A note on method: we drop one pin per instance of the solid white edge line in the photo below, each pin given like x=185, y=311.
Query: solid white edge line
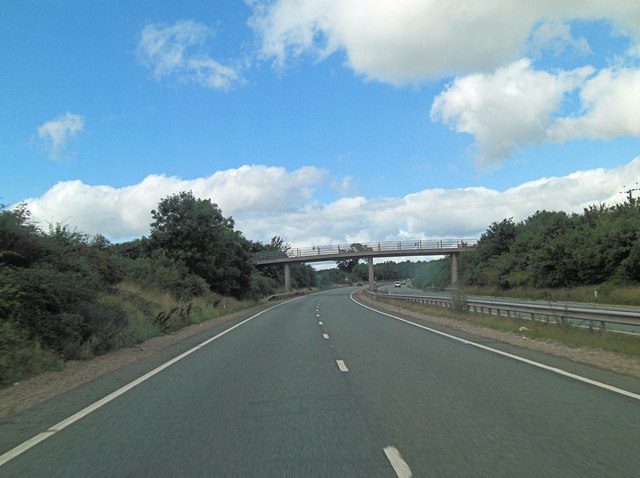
x=9, y=455
x=24, y=447
x=559, y=371
x=399, y=465
x=342, y=366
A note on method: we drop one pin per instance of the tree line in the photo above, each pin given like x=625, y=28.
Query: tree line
x=194, y=233
x=65, y=295
x=556, y=249
x=547, y=250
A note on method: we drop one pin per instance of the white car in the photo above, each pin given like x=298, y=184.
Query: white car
x=397, y=284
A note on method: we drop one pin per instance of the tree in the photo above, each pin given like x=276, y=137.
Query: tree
x=194, y=232
x=433, y=273
x=135, y=249
x=347, y=265
x=388, y=270
x=277, y=245
x=497, y=239
x=20, y=241
x=302, y=275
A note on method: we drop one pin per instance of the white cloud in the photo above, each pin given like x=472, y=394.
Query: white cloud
x=518, y=106
x=633, y=51
x=439, y=213
x=556, y=36
x=510, y=108
x=178, y=51
x=611, y=108
x=497, y=96
x=409, y=41
x=268, y=201
x=343, y=187
x=125, y=212
x=55, y=134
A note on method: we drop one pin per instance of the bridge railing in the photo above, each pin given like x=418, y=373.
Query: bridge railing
x=366, y=247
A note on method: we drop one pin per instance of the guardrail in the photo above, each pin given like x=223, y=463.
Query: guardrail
x=563, y=313
x=366, y=248
x=284, y=295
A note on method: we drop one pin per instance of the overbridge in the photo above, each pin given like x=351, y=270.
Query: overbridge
x=369, y=251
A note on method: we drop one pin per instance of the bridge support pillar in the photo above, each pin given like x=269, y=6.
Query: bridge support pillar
x=287, y=277
x=454, y=269
x=371, y=276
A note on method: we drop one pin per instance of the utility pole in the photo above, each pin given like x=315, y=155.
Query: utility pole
x=630, y=198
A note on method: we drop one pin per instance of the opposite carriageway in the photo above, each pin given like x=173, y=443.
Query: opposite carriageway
x=369, y=251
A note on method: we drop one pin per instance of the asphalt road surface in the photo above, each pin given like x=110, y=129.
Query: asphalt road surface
x=321, y=386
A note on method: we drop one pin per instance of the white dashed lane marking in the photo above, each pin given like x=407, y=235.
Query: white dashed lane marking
x=342, y=366
x=399, y=465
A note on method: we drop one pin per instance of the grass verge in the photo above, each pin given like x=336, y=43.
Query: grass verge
x=606, y=294
x=144, y=313
x=571, y=335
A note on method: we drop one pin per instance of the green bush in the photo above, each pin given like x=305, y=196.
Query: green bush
x=20, y=358
x=27, y=360
x=103, y=326
x=262, y=286
x=165, y=275
x=42, y=303
x=435, y=273
x=557, y=250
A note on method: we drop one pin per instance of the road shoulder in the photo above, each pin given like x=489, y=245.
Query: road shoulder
x=602, y=359
x=40, y=388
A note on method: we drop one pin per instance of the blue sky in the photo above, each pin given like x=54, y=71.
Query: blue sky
x=321, y=121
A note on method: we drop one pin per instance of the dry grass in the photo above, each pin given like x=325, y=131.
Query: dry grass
x=143, y=305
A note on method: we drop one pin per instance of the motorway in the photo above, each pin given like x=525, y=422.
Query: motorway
x=322, y=386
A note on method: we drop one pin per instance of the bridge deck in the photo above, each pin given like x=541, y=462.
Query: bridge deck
x=363, y=250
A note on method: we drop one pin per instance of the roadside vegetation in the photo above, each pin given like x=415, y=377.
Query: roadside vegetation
x=67, y=296
x=593, y=257
x=352, y=272
x=588, y=257
x=435, y=275
x=539, y=329
x=599, y=248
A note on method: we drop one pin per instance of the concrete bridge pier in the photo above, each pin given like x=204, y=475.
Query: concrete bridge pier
x=454, y=269
x=371, y=276
x=287, y=277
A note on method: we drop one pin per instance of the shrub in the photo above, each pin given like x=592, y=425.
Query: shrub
x=102, y=326
x=18, y=363
x=165, y=275
x=262, y=286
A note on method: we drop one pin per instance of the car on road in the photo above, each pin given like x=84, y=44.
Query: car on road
x=398, y=284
